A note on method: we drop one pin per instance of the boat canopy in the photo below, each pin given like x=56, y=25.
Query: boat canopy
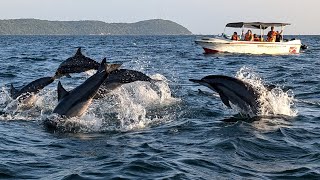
x=255, y=25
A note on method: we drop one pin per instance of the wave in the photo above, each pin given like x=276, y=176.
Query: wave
x=315, y=103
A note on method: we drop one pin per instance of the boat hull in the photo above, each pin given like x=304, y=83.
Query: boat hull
x=215, y=45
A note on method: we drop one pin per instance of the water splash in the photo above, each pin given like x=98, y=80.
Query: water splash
x=12, y=109
x=273, y=101
x=4, y=96
x=87, y=123
x=129, y=107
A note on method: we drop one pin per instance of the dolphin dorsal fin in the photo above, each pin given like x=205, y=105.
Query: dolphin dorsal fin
x=102, y=65
x=78, y=53
x=61, y=91
x=13, y=91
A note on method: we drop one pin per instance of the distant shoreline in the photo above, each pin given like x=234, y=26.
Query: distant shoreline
x=45, y=27
x=200, y=35
x=102, y=35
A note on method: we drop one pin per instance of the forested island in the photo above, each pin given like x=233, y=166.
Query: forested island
x=88, y=27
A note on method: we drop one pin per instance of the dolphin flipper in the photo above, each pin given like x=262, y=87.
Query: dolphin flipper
x=224, y=99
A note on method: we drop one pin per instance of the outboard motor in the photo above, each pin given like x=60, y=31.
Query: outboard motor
x=304, y=47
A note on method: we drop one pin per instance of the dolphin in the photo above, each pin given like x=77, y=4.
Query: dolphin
x=119, y=77
x=233, y=90
x=26, y=95
x=77, y=101
x=76, y=64
x=79, y=63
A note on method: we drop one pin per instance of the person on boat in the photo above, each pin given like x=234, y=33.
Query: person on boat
x=279, y=36
x=256, y=38
x=235, y=37
x=271, y=36
x=248, y=36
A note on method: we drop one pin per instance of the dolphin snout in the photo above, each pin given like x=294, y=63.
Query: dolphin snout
x=195, y=80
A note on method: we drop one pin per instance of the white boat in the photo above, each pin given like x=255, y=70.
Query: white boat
x=224, y=44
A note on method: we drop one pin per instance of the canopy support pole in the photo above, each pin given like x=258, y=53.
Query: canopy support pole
x=242, y=34
x=261, y=33
x=282, y=28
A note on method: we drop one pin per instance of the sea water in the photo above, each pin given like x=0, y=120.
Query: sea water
x=165, y=129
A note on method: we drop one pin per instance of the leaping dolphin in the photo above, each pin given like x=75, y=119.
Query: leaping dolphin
x=26, y=95
x=76, y=102
x=233, y=90
x=79, y=63
x=76, y=64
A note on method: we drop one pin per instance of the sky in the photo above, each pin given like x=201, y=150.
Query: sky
x=199, y=16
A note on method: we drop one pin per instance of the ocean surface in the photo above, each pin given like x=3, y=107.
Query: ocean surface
x=165, y=130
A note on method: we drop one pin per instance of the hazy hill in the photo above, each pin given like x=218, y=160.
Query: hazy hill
x=44, y=27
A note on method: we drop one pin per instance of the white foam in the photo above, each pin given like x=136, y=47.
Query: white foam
x=272, y=102
x=127, y=108
x=131, y=103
